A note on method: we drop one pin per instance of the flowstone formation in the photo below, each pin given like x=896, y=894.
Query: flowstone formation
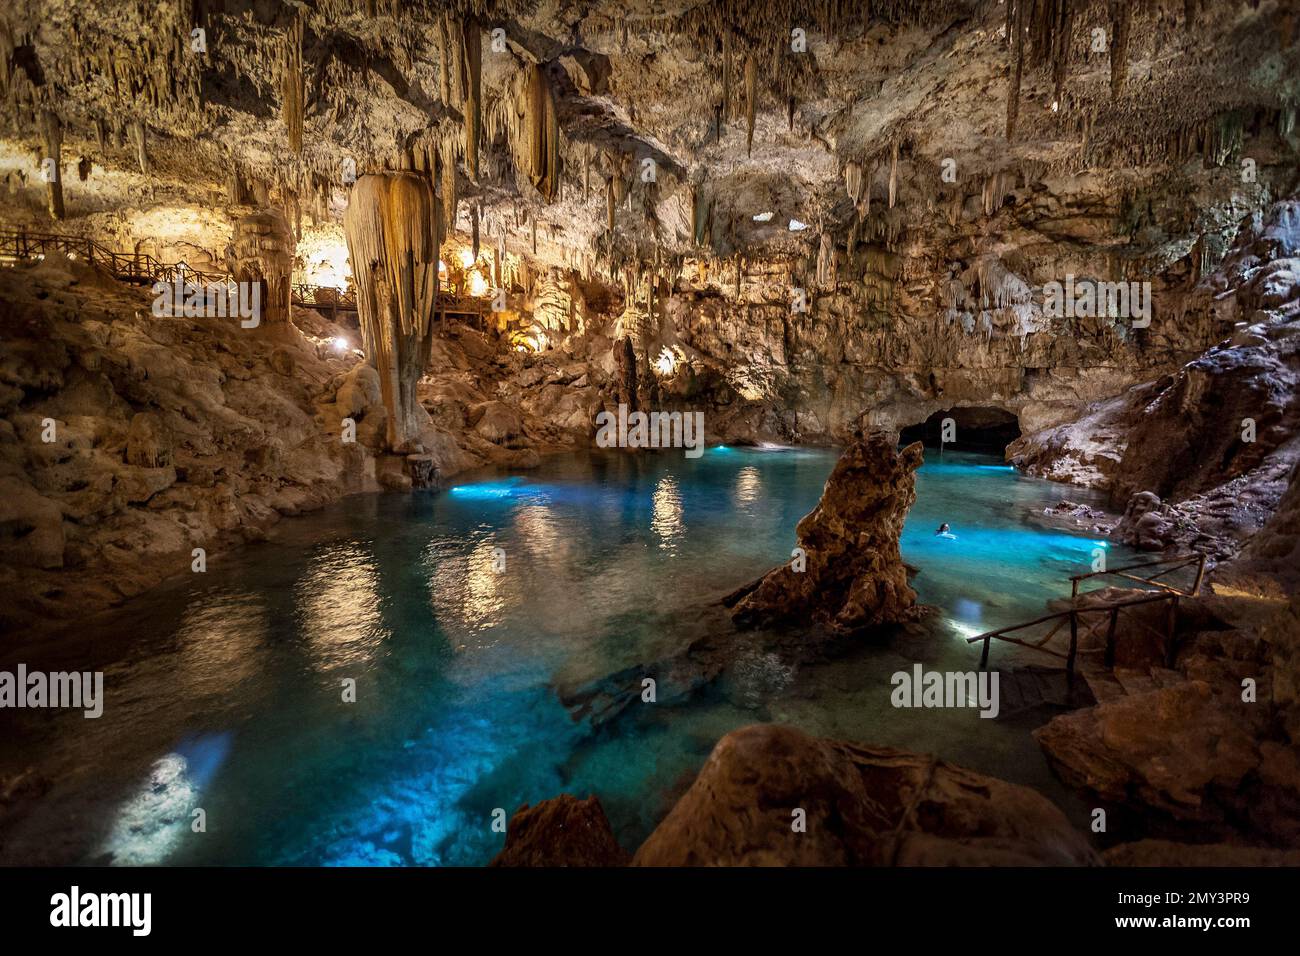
x=847, y=572
x=262, y=252
x=392, y=230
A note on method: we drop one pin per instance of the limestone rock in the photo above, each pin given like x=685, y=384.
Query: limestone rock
x=864, y=806
x=562, y=831
x=855, y=575
x=148, y=443
x=31, y=526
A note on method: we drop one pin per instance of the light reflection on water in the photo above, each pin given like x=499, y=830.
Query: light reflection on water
x=610, y=560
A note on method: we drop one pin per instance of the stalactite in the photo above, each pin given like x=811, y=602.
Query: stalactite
x=1121, y=16
x=1018, y=44
x=394, y=256
x=472, y=60
x=541, y=133
x=893, y=174
x=52, y=142
x=138, y=140
x=292, y=84
x=853, y=181
x=447, y=170
x=610, y=204
x=474, y=210
x=444, y=62
x=826, y=261
x=751, y=101
x=726, y=80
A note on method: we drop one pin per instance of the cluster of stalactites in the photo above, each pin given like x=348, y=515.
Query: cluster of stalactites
x=460, y=79
x=292, y=83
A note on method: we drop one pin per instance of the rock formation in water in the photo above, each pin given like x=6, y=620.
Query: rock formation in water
x=774, y=796
x=562, y=831
x=850, y=574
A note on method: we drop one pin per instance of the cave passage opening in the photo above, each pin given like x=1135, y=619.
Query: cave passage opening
x=967, y=428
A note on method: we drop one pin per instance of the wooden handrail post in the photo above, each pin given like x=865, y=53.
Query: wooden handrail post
x=984, y=655
x=1110, y=639
x=1074, y=588
x=1200, y=574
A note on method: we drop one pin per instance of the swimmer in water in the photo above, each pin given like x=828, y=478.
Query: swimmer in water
x=943, y=532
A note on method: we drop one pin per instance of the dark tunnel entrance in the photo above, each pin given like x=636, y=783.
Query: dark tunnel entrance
x=974, y=428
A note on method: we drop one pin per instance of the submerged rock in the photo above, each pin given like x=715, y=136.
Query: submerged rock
x=861, y=806
x=855, y=577
x=562, y=831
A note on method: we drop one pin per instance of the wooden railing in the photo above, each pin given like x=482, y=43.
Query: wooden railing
x=1074, y=617
x=1175, y=564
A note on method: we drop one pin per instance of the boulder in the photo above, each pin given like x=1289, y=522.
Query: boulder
x=855, y=576
x=861, y=806
x=562, y=831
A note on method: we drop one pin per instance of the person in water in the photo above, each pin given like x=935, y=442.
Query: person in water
x=943, y=532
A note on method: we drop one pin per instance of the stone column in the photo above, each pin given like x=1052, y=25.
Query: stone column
x=392, y=228
x=263, y=251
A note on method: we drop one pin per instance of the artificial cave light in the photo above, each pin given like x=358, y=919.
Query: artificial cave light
x=466, y=258
x=763, y=217
x=666, y=364
x=478, y=286
x=797, y=226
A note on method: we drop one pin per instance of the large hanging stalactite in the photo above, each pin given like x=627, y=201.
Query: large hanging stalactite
x=1121, y=20
x=541, y=133
x=52, y=141
x=472, y=81
x=751, y=101
x=292, y=84
x=1018, y=45
x=392, y=235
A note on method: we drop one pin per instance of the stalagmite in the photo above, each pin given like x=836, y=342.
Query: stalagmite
x=751, y=101
x=292, y=89
x=394, y=254
x=52, y=142
x=262, y=251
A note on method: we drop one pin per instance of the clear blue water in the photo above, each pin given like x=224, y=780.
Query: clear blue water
x=225, y=690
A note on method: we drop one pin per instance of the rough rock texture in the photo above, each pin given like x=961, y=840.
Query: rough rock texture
x=1168, y=853
x=864, y=806
x=855, y=576
x=1191, y=760
x=1201, y=459
x=171, y=433
x=562, y=831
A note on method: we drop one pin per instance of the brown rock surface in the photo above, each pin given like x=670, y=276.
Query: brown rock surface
x=562, y=831
x=855, y=576
x=865, y=806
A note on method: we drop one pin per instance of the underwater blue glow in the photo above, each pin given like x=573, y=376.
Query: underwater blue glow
x=611, y=560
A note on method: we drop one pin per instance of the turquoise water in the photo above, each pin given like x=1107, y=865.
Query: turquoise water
x=226, y=690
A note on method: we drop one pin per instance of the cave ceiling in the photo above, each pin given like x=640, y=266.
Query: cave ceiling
x=603, y=134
